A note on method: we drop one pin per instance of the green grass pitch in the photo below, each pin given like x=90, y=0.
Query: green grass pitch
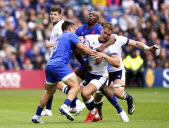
x=152, y=110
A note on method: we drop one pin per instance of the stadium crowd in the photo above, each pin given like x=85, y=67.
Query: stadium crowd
x=25, y=25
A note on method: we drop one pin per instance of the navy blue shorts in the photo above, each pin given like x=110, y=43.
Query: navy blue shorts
x=115, y=75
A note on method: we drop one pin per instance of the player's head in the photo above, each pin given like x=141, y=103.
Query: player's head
x=106, y=31
x=93, y=18
x=55, y=14
x=68, y=26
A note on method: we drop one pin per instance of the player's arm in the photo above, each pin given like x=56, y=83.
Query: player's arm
x=113, y=59
x=142, y=46
x=79, y=58
x=86, y=49
x=106, y=44
x=48, y=44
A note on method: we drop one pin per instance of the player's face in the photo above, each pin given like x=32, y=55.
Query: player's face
x=54, y=16
x=105, y=35
x=93, y=18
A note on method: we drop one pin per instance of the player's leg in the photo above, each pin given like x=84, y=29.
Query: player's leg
x=71, y=81
x=92, y=83
x=119, y=84
x=50, y=90
x=86, y=93
x=98, y=101
x=48, y=110
x=121, y=94
x=76, y=106
x=112, y=99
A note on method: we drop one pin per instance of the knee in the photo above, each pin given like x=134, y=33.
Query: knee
x=85, y=95
x=117, y=92
x=98, y=97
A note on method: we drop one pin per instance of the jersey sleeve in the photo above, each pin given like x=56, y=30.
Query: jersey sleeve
x=74, y=38
x=112, y=50
x=122, y=40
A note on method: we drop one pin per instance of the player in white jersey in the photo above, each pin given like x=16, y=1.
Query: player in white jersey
x=117, y=75
x=98, y=76
x=55, y=18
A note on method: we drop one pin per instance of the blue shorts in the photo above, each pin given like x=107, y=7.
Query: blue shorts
x=55, y=73
x=115, y=75
x=98, y=80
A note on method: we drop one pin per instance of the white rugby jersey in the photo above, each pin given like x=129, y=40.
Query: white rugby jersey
x=56, y=33
x=100, y=69
x=120, y=41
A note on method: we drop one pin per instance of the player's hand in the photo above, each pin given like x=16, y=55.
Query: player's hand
x=48, y=44
x=81, y=38
x=154, y=48
x=100, y=49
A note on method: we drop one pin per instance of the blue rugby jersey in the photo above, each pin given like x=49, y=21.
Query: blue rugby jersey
x=63, y=48
x=83, y=30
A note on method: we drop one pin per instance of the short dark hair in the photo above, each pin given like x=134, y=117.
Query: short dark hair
x=66, y=25
x=56, y=9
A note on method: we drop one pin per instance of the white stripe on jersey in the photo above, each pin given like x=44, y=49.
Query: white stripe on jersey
x=100, y=69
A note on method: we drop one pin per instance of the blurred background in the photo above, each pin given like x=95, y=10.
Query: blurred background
x=25, y=25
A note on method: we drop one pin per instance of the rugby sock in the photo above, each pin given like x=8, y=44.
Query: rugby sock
x=99, y=105
x=128, y=97
x=90, y=103
x=73, y=104
x=49, y=103
x=67, y=102
x=39, y=111
x=114, y=102
x=66, y=90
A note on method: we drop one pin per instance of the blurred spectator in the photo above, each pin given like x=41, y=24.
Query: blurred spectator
x=13, y=63
x=27, y=64
x=150, y=63
x=25, y=25
x=134, y=69
x=33, y=53
x=39, y=61
x=84, y=14
x=161, y=60
x=11, y=35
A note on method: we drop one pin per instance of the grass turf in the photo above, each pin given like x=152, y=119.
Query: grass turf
x=152, y=110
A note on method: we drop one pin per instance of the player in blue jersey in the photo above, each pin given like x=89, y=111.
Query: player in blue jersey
x=92, y=26
x=57, y=69
x=55, y=18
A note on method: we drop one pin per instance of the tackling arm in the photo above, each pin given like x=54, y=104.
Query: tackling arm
x=48, y=44
x=106, y=44
x=86, y=49
x=113, y=59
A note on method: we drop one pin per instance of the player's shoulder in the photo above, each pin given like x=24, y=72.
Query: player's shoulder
x=81, y=27
x=58, y=24
x=99, y=25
